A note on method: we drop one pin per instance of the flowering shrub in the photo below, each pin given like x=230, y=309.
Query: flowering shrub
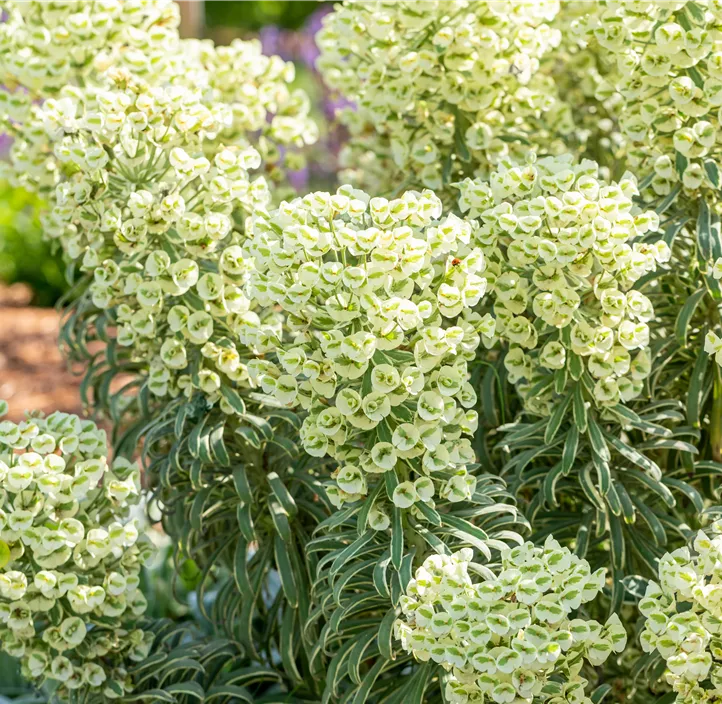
x=70, y=557
x=445, y=87
x=157, y=180
x=496, y=360
x=401, y=278
x=503, y=637
x=682, y=619
x=559, y=243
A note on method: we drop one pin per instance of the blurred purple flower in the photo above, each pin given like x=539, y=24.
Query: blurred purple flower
x=271, y=36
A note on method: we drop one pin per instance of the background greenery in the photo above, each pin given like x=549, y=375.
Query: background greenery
x=288, y=14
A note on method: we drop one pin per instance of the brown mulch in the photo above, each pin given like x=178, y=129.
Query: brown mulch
x=33, y=375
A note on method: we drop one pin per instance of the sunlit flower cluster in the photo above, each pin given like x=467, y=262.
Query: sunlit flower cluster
x=156, y=216
x=46, y=47
x=669, y=77
x=509, y=637
x=441, y=88
x=684, y=618
x=378, y=295
x=257, y=89
x=70, y=559
x=564, y=249
x=578, y=74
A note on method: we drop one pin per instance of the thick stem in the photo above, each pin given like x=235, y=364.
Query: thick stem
x=715, y=420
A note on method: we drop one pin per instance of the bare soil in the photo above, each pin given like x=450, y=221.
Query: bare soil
x=33, y=374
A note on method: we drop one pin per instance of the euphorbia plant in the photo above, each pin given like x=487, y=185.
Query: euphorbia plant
x=441, y=434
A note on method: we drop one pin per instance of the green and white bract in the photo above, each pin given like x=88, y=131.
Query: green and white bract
x=48, y=47
x=45, y=46
x=69, y=588
x=429, y=76
x=155, y=213
x=512, y=637
x=684, y=618
x=563, y=251
x=378, y=296
x=669, y=78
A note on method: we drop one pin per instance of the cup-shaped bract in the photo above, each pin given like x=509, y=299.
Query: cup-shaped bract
x=517, y=635
x=70, y=602
x=564, y=249
x=378, y=296
x=683, y=614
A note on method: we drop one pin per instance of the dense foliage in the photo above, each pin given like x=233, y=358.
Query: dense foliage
x=449, y=432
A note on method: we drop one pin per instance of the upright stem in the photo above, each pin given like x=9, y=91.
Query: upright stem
x=715, y=420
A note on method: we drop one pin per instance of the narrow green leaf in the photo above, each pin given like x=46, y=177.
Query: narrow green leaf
x=655, y=526
x=712, y=171
x=379, y=575
x=362, y=694
x=704, y=233
x=599, y=446
x=350, y=551
x=285, y=570
x=689, y=491
x=279, y=516
x=569, y=453
x=584, y=535
x=194, y=439
x=576, y=366
x=240, y=567
x=600, y=693
x=240, y=480
x=616, y=542
x=633, y=456
x=386, y=633
x=397, y=538
x=431, y=514
x=685, y=314
x=556, y=418
x=580, y=410
x=234, y=399
x=550, y=482
x=249, y=435
x=664, y=205
x=245, y=521
x=625, y=503
x=282, y=494
x=189, y=689
x=230, y=692
x=589, y=488
x=696, y=387
x=662, y=491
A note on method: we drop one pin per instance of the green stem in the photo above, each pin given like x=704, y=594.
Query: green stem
x=715, y=419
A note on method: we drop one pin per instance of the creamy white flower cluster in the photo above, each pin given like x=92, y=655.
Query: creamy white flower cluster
x=561, y=262
x=578, y=74
x=508, y=638
x=684, y=618
x=155, y=212
x=45, y=46
x=69, y=559
x=257, y=89
x=669, y=77
x=378, y=296
x=429, y=76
